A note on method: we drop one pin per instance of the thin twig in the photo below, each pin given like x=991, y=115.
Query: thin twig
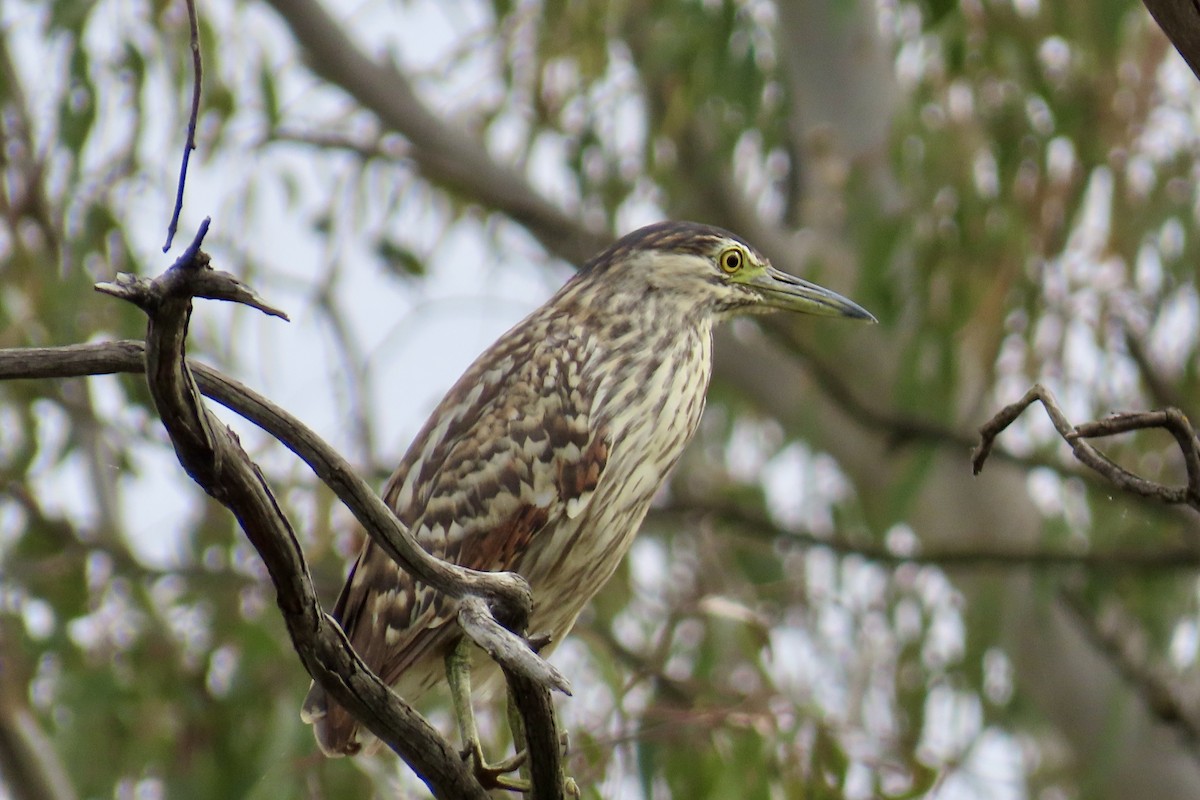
x=366, y=150
x=1172, y=420
x=743, y=522
x=899, y=428
x=190, y=144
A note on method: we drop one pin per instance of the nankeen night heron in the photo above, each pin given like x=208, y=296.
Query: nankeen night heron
x=544, y=457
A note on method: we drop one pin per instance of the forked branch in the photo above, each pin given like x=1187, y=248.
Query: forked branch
x=212, y=455
x=1172, y=420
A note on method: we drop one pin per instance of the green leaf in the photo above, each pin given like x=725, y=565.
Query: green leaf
x=77, y=109
x=399, y=259
x=270, y=100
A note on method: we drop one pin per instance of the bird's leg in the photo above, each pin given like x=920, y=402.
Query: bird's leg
x=516, y=727
x=458, y=675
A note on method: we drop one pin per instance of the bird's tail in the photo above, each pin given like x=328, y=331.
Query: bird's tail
x=336, y=732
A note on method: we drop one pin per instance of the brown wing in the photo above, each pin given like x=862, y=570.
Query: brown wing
x=509, y=451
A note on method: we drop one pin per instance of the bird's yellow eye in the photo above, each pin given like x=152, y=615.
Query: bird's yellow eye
x=731, y=260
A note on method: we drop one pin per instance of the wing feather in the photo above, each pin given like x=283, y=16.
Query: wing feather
x=509, y=450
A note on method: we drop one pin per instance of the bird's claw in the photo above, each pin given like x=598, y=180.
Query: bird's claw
x=496, y=776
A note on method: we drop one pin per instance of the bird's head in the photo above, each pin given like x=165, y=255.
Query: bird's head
x=704, y=267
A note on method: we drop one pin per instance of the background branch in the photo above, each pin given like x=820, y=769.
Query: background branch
x=29, y=764
x=1119, y=637
x=746, y=523
x=445, y=155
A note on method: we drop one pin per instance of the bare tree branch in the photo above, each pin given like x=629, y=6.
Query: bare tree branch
x=1171, y=419
x=1120, y=638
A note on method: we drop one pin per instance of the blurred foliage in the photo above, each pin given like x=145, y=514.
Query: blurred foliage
x=1026, y=217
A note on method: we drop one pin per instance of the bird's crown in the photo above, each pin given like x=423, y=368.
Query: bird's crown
x=676, y=238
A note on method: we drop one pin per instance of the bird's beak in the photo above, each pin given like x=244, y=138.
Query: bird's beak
x=789, y=293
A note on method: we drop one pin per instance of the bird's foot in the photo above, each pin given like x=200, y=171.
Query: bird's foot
x=497, y=776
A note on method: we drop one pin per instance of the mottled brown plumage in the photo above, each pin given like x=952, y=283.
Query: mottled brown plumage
x=544, y=457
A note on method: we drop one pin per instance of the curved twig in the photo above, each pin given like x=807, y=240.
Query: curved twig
x=1172, y=420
